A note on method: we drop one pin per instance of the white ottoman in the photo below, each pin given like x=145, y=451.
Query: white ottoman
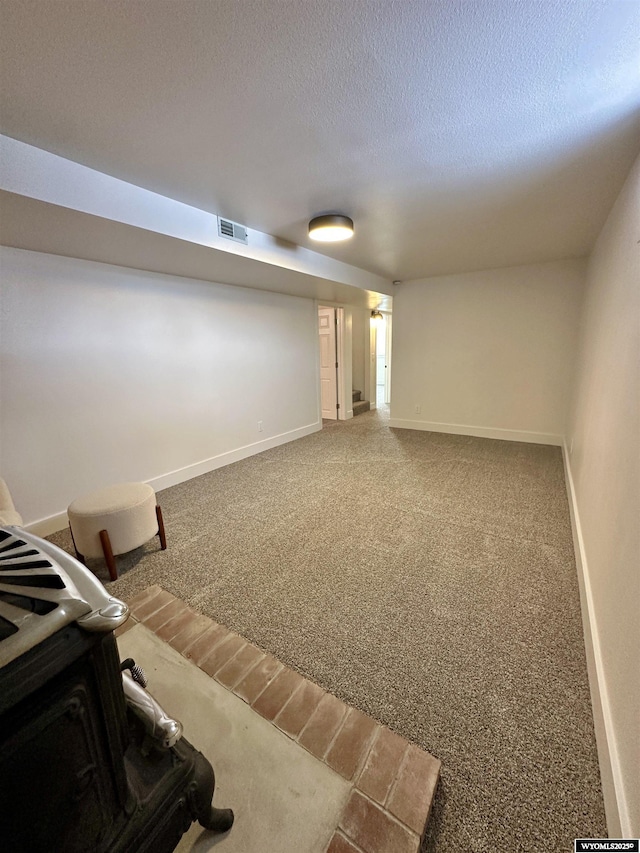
x=115, y=520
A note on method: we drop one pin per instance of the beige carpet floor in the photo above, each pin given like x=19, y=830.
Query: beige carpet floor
x=427, y=579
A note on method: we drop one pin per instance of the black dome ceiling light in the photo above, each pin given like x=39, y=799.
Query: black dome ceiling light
x=330, y=228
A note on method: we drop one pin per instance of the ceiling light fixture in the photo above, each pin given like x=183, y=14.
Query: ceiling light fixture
x=330, y=228
x=376, y=315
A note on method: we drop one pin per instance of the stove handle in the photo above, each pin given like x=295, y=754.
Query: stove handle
x=160, y=726
x=108, y=617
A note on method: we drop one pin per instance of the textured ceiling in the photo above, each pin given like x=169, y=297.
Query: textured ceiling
x=458, y=135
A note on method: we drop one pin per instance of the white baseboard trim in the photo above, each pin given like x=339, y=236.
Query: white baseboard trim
x=50, y=524
x=618, y=823
x=164, y=481
x=53, y=523
x=480, y=432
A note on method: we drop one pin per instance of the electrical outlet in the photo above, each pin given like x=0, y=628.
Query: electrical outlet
x=417, y=409
x=259, y=426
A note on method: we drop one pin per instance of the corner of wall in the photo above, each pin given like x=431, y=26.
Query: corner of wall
x=612, y=789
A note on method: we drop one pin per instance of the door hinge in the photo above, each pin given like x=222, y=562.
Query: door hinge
x=337, y=405
x=336, y=365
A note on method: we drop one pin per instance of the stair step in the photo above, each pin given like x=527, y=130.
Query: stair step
x=361, y=407
x=356, y=396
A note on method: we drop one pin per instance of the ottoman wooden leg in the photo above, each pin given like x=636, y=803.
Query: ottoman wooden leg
x=161, y=533
x=108, y=555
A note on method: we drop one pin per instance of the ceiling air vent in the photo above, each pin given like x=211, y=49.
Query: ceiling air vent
x=233, y=231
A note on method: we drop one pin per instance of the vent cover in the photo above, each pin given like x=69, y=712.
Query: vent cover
x=232, y=230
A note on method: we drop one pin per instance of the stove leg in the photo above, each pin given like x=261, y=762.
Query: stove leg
x=218, y=820
x=209, y=817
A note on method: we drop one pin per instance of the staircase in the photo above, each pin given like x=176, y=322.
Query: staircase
x=359, y=406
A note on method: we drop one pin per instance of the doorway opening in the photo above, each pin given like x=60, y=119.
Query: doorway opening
x=334, y=332
x=383, y=360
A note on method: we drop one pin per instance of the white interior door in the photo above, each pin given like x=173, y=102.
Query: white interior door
x=382, y=371
x=328, y=363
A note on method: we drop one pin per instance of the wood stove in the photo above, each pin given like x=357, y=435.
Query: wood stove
x=82, y=767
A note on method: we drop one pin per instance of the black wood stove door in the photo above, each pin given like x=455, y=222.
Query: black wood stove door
x=56, y=794
x=76, y=772
x=62, y=781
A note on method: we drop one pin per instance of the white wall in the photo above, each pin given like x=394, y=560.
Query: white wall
x=360, y=329
x=604, y=467
x=345, y=376
x=111, y=374
x=487, y=353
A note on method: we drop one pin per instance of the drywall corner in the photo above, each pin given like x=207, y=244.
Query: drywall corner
x=610, y=777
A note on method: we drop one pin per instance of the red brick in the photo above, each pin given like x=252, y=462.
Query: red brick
x=192, y=631
x=274, y=697
x=373, y=829
x=349, y=749
x=340, y=844
x=323, y=724
x=146, y=595
x=149, y=607
x=222, y=653
x=382, y=765
x=296, y=713
x=162, y=616
x=411, y=796
x=169, y=630
x=126, y=626
x=206, y=642
x=236, y=669
x=257, y=679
